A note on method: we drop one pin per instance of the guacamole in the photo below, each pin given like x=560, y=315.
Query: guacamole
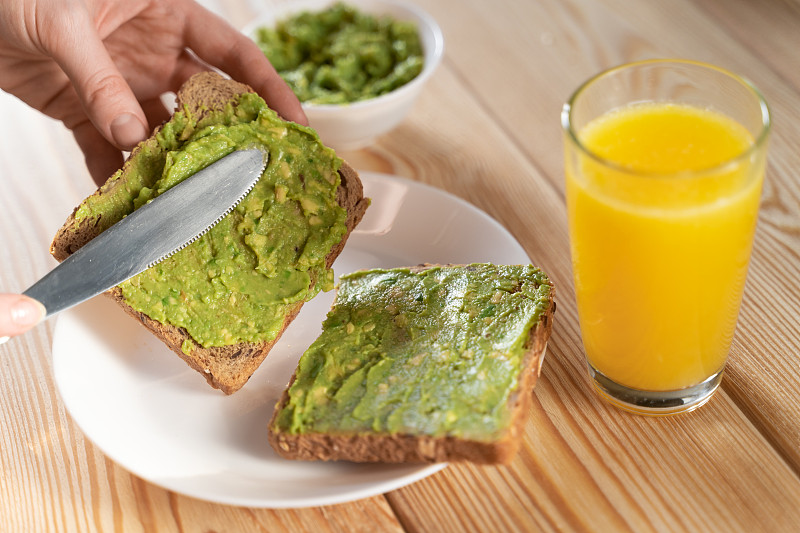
x=341, y=55
x=235, y=283
x=437, y=352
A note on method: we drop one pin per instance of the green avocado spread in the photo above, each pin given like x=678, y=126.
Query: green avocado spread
x=436, y=352
x=341, y=55
x=235, y=283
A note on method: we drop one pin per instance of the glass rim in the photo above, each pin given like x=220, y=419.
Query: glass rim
x=759, y=140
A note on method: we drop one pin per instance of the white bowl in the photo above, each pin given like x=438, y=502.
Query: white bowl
x=355, y=125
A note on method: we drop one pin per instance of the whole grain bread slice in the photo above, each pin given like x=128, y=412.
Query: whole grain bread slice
x=226, y=368
x=420, y=448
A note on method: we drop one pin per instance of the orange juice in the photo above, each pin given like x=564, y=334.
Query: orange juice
x=661, y=226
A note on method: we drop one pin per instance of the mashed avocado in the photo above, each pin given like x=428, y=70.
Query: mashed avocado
x=342, y=55
x=436, y=352
x=235, y=283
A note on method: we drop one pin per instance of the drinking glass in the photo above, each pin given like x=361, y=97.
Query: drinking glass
x=664, y=163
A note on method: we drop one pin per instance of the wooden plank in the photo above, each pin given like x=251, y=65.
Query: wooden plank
x=775, y=269
x=768, y=29
x=194, y=516
x=637, y=473
x=556, y=45
x=487, y=130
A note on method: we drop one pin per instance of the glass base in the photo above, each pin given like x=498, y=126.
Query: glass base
x=655, y=403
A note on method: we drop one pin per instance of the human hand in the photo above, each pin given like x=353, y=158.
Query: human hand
x=101, y=66
x=18, y=314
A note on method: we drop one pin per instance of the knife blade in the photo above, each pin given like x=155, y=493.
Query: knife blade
x=155, y=231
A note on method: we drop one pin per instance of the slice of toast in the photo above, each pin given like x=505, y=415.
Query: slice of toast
x=201, y=99
x=424, y=364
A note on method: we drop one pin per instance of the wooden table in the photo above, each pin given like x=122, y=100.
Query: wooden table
x=487, y=130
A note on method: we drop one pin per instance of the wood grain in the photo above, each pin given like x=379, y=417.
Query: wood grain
x=594, y=36
x=644, y=484
x=487, y=130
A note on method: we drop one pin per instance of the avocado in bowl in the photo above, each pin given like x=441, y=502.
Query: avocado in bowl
x=357, y=66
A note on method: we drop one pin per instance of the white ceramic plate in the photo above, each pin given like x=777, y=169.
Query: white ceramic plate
x=156, y=417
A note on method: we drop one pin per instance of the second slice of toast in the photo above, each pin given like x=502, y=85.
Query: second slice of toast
x=423, y=364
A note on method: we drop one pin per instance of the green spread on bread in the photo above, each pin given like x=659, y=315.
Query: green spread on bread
x=236, y=283
x=436, y=351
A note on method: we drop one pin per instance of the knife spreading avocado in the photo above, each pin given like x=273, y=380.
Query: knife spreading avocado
x=435, y=352
x=235, y=283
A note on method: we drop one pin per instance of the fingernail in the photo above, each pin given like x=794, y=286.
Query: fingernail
x=128, y=131
x=27, y=313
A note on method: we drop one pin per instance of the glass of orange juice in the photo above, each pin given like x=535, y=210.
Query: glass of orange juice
x=664, y=163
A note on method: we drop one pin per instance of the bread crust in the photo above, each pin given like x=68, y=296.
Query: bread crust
x=405, y=448
x=228, y=367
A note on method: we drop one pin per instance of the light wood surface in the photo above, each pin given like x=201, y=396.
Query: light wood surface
x=487, y=130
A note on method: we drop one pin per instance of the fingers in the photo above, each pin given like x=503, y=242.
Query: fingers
x=155, y=111
x=18, y=314
x=102, y=158
x=108, y=100
x=222, y=46
x=187, y=66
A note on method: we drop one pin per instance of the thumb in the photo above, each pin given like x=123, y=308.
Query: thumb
x=107, y=98
x=18, y=314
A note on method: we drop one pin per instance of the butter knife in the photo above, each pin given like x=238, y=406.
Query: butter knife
x=150, y=234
